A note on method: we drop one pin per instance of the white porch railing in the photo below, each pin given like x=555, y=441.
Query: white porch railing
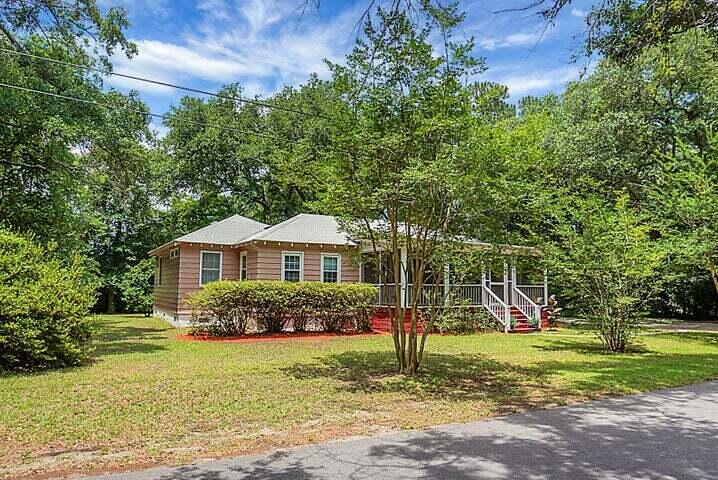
x=522, y=297
x=534, y=292
x=386, y=293
x=526, y=306
x=497, y=308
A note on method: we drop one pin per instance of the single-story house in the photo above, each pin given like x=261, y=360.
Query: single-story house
x=307, y=247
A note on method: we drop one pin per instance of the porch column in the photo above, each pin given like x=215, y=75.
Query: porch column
x=483, y=285
x=507, y=300
x=447, y=283
x=545, y=286
x=513, y=282
x=402, y=275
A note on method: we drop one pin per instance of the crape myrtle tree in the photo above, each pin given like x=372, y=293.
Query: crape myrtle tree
x=610, y=264
x=399, y=150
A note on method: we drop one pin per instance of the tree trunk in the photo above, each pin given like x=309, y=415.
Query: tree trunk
x=110, y=300
x=713, y=268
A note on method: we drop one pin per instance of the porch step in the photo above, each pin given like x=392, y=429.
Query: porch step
x=517, y=314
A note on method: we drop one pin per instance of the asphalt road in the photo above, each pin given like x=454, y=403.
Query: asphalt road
x=666, y=434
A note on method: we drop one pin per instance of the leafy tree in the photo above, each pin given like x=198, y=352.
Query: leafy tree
x=78, y=174
x=136, y=286
x=686, y=196
x=397, y=158
x=611, y=266
x=622, y=29
x=265, y=165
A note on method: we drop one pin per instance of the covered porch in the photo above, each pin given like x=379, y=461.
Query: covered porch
x=514, y=291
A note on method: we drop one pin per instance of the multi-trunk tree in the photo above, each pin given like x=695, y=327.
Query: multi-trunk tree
x=399, y=153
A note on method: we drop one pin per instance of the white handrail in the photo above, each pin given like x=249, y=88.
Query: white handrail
x=526, y=306
x=497, y=308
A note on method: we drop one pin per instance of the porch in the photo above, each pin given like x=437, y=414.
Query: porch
x=515, y=298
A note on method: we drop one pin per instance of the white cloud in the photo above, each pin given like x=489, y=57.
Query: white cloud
x=255, y=43
x=577, y=12
x=518, y=39
x=538, y=82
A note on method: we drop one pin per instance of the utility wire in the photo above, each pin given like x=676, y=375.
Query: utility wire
x=164, y=84
x=137, y=110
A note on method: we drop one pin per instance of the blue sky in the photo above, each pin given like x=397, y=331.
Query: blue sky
x=266, y=44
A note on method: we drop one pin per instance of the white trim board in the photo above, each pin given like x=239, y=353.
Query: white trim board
x=221, y=261
x=301, y=264
x=339, y=266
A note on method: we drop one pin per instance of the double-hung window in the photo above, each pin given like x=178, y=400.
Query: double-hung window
x=243, y=266
x=292, y=266
x=331, y=268
x=210, y=266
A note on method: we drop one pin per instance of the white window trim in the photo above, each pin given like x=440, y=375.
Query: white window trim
x=301, y=264
x=339, y=265
x=243, y=256
x=221, y=261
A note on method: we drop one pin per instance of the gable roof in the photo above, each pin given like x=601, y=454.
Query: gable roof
x=305, y=228
x=229, y=231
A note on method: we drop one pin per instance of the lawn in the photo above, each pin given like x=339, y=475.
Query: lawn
x=149, y=398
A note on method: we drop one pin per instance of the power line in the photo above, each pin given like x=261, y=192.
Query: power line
x=136, y=110
x=164, y=84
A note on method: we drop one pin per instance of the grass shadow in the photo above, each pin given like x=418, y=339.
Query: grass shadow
x=593, y=347
x=116, y=336
x=457, y=377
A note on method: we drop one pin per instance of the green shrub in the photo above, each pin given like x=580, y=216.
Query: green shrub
x=271, y=301
x=221, y=309
x=136, y=286
x=44, y=305
x=225, y=308
x=463, y=319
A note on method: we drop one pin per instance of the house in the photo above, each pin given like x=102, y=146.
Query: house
x=311, y=247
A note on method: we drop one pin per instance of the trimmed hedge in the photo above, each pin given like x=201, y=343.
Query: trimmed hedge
x=44, y=306
x=227, y=308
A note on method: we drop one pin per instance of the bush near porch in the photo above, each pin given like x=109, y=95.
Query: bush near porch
x=230, y=308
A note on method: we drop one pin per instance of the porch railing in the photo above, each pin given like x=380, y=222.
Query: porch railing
x=524, y=297
x=497, y=307
x=386, y=294
x=527, y=306
x=533, y=292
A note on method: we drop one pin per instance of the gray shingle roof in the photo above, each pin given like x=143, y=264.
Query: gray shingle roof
x=229, y=231
x=305, y=228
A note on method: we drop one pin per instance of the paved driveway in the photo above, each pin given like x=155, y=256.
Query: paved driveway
x=667, y=434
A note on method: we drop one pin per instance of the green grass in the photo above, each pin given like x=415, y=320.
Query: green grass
x=149, y=398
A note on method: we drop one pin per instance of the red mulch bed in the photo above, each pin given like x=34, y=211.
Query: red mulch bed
x=265, y=337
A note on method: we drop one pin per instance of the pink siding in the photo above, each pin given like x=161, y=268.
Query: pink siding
x=181, y=274
x=189, y=271
x=265, y=262
x=165, y=290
